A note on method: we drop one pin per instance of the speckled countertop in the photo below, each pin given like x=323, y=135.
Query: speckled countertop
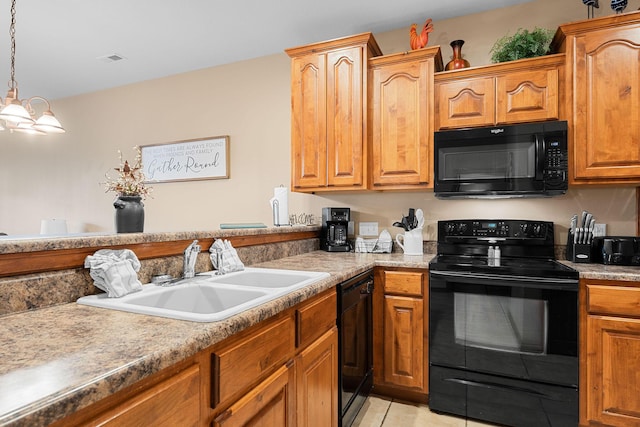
x=57, y=360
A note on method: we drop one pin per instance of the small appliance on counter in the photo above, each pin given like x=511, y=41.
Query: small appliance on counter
x=616, y=250
x=335, y=229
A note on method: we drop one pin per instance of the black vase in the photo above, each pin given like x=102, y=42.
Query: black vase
x=129, y=214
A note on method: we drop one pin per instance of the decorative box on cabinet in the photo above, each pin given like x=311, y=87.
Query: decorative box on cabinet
x=401, y=119
x=329, y=113
x=400, y=339
x=511, y=92
x=609, y=349
x=603, y=89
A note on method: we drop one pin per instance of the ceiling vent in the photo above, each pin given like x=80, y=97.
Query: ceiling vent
x=114, y=57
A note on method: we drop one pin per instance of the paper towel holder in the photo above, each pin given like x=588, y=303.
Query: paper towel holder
x=276, y=206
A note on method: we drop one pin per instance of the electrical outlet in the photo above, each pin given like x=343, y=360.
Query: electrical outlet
x=368, y=229
x=600, y=230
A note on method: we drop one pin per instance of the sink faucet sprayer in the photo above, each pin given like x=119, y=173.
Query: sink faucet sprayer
x=190, y=257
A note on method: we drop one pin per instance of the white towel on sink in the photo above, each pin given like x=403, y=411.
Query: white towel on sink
x=114, y=271
x=224, y=257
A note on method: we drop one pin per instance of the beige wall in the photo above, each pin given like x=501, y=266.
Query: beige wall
x=58, y=176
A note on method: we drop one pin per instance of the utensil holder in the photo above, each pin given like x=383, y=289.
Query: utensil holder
x=577, y=252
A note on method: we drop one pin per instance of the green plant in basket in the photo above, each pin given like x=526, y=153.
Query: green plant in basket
x=523, y=44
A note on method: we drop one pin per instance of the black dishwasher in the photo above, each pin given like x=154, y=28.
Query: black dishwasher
x=355, y=337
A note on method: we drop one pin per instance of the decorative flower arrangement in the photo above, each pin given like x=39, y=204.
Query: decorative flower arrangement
x=130, y=180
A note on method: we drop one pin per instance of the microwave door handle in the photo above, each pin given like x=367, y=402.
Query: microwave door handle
x=540, y=154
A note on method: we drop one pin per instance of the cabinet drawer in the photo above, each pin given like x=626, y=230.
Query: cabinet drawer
x=315, y=318
x=403, y=283
x=613, y=300
x=244, y=361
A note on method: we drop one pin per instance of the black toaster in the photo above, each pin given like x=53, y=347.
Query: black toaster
x=616, y=250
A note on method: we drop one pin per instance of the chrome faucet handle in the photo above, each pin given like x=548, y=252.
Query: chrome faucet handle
x=190, y=258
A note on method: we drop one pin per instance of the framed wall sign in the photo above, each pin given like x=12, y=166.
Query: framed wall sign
x=194, y=159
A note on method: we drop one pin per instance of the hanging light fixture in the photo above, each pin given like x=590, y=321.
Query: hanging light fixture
x=19, y=117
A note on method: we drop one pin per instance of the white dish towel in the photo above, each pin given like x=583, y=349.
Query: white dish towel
x=114, y=271
x=224, y=257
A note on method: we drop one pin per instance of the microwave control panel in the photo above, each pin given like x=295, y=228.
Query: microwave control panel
x=555, y=165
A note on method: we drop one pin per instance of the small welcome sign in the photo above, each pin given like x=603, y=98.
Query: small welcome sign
x=194, y=159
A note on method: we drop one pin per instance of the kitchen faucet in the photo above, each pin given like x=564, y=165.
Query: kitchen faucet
x=190, y=257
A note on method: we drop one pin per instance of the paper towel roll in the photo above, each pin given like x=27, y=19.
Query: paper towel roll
x=53, y=226
x=280, y=206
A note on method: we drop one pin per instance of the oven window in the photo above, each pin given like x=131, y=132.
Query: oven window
x=503, y=323
x=492, y=161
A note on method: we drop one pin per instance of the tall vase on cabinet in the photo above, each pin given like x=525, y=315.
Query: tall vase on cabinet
x=458, y=61
x=129, y=216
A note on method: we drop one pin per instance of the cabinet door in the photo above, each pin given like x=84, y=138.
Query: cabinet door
x=345, y=132
x=175, y=401
x=613, y=371
x=317, y=382
x=463, y=103
x=401, y=131
x=606, y=105
x=403, y=341
x=527, y=96
x=271, y=403
x=308, y=121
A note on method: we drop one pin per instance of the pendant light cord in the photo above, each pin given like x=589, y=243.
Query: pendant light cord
x=12, y=32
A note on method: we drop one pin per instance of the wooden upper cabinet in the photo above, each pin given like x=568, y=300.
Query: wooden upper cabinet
x=328, y=113
x=605, y=100
x=527, y=96
x=512, y=92
x=308, y=121
x=401, y=118
x=468, y=102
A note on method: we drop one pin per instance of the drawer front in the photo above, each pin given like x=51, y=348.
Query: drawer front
x=315, y=318
x=237, y=366
x=613, y=300
x=403, y=283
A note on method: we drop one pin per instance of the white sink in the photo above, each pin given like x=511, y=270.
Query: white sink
x=209, y=297
x=270, y=279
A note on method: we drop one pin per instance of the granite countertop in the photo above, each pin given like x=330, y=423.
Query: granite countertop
x=60, y=359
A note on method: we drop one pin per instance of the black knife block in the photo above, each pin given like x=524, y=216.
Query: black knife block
x=577, y=252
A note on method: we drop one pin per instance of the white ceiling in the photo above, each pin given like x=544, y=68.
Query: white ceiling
x=58, y=42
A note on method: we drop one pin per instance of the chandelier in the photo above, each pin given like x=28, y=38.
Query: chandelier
x=19, y=117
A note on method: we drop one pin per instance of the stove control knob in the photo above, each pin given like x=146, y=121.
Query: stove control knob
x=450, y=228
x=537, y=230
x=462, y=227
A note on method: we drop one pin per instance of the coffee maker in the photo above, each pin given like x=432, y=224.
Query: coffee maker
x=335, y=226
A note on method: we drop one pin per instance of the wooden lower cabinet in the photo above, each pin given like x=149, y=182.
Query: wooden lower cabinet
x=271, y=403
x=169, y=398
x=610, y=354
x=317, y=382
x=400, y=339
x=281, y=372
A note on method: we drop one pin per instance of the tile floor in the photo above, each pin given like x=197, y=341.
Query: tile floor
x=384, y=412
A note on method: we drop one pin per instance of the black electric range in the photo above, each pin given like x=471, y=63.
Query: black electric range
x=503, y=328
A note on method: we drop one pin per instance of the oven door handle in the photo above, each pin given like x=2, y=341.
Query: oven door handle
x=495, y=386
x=507, y=280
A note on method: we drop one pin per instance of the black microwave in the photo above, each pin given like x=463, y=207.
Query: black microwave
x=523, y=160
